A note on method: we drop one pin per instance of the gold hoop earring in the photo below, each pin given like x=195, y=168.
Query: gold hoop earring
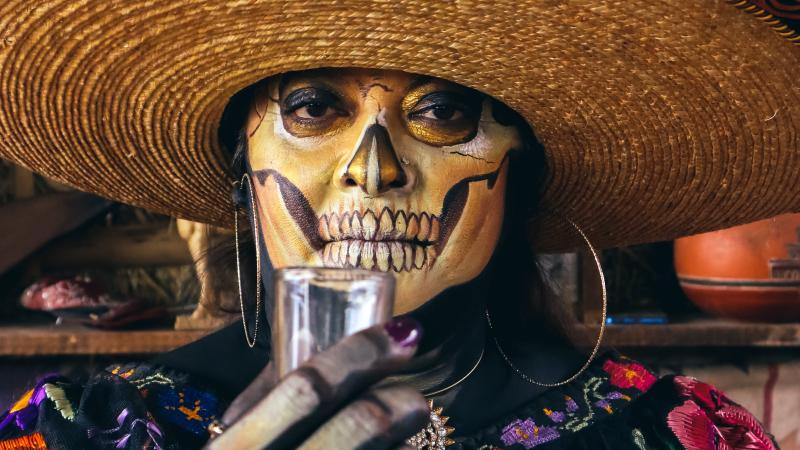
x=599, y=335
x=240, y=185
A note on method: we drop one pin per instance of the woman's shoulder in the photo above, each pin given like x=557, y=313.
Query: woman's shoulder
x=124, y=406
x=618, y=404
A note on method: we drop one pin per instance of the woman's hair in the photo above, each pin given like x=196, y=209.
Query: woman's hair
x=526, y=296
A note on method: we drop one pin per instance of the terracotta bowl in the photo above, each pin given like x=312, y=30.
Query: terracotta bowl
x=750, y=272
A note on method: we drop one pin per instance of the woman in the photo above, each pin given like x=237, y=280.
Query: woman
x=416, y=155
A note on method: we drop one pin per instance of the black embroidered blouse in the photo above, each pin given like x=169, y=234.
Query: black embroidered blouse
x=617, y=404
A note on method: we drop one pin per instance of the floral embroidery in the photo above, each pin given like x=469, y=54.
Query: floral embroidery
x=638, y=439
x=170, y=399
x=188, y=408
x=24, y=413
x=708, y=419
x=59, y=398
x=627, y=375
x=126, y=426
x=127, y=374
x=528, y=433
x=142, y=381
x=29, y=442
x=599, y=396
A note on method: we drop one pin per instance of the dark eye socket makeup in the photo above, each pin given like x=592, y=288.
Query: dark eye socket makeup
x=441, y=101
x=309, y=96
x=433, y=111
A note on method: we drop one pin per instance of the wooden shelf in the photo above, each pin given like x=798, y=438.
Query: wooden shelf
x=45, y=340
x=125, y=246
x=41, y=340
x=703, y=333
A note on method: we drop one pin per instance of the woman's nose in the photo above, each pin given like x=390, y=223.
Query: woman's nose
x=374, y=166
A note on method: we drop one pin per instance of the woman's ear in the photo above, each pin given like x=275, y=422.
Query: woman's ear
x=239, y=194
x=239, y=168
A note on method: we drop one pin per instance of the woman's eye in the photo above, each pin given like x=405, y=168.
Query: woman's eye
x=443, y=112
x=313, y=111
x=442, y=117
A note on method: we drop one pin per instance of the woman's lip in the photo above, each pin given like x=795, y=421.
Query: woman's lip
x=386, y=239
x=386, y=226
x=385, y=256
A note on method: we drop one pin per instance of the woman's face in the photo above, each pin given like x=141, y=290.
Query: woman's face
x=382, y=170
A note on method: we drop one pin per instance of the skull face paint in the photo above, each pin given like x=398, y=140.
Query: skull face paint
x=382, y=170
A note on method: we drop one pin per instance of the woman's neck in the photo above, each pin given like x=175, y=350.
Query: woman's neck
x=454, y=336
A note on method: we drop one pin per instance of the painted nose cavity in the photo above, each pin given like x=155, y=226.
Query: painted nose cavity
x=374, y=166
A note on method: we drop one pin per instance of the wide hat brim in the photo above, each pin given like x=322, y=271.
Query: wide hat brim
x=659, y=119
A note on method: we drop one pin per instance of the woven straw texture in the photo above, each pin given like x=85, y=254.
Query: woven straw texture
x=659, y=118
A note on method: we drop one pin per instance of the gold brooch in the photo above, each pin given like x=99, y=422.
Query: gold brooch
x=435, y=435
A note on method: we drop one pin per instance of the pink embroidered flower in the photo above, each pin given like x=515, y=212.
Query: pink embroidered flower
x=707, y=419
x=627, y=375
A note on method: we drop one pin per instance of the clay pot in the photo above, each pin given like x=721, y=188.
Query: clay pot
x=750, y=272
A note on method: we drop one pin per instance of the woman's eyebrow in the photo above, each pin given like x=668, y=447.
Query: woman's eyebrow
x=311, y=75
x=420, y=80
x=318, y=82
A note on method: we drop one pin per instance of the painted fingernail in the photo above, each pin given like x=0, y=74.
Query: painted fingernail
x=404, y=330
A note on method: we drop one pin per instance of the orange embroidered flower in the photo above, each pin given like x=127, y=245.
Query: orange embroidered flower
x=628, y=375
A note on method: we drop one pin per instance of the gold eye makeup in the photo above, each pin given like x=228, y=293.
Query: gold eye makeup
x=441, y=117
x=313, y=111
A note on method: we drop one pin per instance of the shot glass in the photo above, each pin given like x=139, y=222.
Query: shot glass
x=316, y=307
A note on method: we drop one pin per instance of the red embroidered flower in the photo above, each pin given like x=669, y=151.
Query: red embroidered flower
x=627, y=375
x=710, y=420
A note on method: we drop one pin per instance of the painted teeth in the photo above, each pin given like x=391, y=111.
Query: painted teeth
x=419, y=257
x=424, y=227
x=408, y=256
x=334, y=230
x=383, y=256
x=400, y=223
x=346, y=225
x=434, y=234
x=387, y=241
x=386, y=226
x=368, y=226
x=355, y=225
x=368, y=255
x=413, y=225
x=398, y=259
x=323, y=229
x=354, y=253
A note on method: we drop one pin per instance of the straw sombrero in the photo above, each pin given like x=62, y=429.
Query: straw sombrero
x=659, y=118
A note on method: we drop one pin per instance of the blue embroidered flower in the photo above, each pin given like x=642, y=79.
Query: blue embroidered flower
x=527, y=434
x=188, y=408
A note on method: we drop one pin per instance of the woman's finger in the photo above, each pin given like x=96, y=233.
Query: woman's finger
x=263, y=383
x=379, y=420
x=287, y=414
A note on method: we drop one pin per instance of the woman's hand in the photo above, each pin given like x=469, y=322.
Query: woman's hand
x=330, y=402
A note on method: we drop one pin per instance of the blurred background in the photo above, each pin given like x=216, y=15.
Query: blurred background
x=85, y=282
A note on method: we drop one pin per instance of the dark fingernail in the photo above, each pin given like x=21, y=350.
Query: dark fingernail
x=404, y=330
